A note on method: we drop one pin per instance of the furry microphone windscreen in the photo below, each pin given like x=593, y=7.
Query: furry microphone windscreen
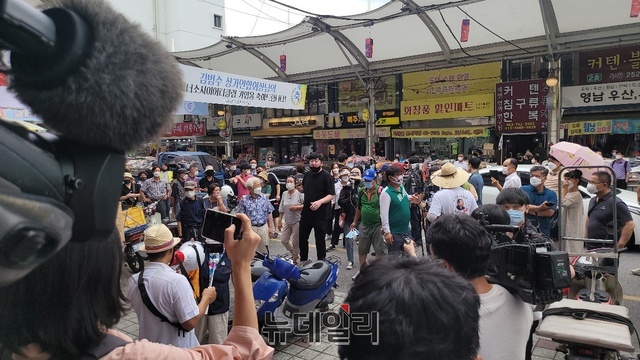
x=123, y=94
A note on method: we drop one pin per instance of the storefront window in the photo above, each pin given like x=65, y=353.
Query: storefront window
x=316, y=102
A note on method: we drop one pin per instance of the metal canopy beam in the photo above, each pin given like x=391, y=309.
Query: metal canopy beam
x=437, y=34
x=342, y=40
x=550, y=24
x=260, y=56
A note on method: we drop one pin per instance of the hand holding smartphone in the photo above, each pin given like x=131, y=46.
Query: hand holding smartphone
x=216, y=222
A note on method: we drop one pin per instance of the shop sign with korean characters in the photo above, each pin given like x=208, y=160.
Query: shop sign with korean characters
x=521, y=106
x=622, y=93
x=609, y=65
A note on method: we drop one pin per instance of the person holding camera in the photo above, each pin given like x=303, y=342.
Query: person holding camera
x=542, y=201
x=415, y=185
x=88, y=301
x=464, y=246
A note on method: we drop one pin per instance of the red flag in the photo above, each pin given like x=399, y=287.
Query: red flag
x=464, y=36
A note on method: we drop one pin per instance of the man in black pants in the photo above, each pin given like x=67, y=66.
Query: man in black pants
x=319, y=190
x=414, y=185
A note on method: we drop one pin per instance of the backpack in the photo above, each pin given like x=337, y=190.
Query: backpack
x=109, y=343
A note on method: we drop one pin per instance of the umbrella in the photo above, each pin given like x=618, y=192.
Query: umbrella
x=571, y=154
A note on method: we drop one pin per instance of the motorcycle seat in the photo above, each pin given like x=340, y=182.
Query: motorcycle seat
x=312, y=276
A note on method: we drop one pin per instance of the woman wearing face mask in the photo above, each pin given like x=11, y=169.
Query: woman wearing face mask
x=130, y=192
x=335, y=171
x=291, y=204
x=348, y=200
x=245, y=174
x=337, y=229
x=572, y=211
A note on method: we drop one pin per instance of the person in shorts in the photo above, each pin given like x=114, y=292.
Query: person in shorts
x=368, y=214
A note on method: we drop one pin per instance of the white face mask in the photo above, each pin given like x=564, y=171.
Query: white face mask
x=335, y=171
x=460, y=159
x=570, y=185
x=592, y=188
x=156, y=174
x=535, y=182
x=618, y=156
x=232, y=168
x=257, y=190
x=505, y=170
x=190, y=194
x=253, y=166
x=552, y=166
x=291, y=186
x=344, y=178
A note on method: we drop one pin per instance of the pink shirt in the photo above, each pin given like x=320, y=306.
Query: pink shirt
x=243, y=190
x=242, y=343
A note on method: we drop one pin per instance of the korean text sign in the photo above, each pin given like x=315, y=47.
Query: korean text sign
x=590, y=127
x=461, y=80
x=521, y=106
x=440, y=133
x=448, y=108
x=609, y=65
x=622, y=93
x=216, y=87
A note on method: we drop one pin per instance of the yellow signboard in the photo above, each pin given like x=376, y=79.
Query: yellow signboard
x=350, y=94
x=441, y=133
x=473, y=79
x=590, y=127
x=448, y=108
x=395, y=120
x=355, y=133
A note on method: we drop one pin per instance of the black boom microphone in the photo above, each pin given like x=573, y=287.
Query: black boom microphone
x=104, y=87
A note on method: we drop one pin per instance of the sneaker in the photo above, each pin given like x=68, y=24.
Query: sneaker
x=353, y=278
x=350, y=265
x=304, y=263
x=331, y=248
x=636, y=271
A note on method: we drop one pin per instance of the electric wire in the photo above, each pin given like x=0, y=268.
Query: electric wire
x=260, y=11
x=456, y=39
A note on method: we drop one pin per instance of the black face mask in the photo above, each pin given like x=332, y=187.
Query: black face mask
x=209, y=173
x=315, y=169
x=143, y=178
x=127, y=182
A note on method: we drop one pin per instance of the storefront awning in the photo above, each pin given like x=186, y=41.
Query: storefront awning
x=281, y=131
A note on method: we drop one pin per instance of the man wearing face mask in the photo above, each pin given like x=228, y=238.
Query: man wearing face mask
x=258, y=208
x=512, y=180
x=241, y=180
x=622, y=168
x=552, y=178
x=600, y=213
x=542, y=200
x=337, y=211
x=319, y=191
x=414, y=185
x=177, y=190
x=191, y=215
x=158, y=190
x=461, y=163
x=208, y=179
x=254, y=166
x=230, y=174
x=394, y=211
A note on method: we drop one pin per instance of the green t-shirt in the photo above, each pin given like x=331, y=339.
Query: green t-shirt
x=370, y=210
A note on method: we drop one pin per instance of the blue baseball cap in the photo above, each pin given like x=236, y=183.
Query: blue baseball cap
x=369, y=175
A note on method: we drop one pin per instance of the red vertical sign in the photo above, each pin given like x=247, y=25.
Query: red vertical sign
x=635, y=8
x=521, y=106
x=464, y=33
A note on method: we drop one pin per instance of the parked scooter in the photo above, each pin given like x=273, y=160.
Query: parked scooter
x=283, y=290
x=596, y=279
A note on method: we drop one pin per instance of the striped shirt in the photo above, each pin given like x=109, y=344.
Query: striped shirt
x=155, y=190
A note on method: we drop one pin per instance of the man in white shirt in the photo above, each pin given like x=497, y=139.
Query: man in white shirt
x=170, y=294
x=451, y=198
x=461, y=163
x=505, y=320
x=512, y=180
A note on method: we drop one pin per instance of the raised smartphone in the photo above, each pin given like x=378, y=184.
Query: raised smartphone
x=216, y=222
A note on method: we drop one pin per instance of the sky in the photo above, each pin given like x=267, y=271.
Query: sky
x=259, y=17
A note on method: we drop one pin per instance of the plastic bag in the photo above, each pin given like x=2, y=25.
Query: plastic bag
x=353, y=234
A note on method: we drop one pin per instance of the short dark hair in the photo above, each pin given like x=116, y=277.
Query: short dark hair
x=157, y=256
x=77, y=290
x=212, y=187
x=245, y=166
x=603, y=177
x=300, y=168
x=315, y=156
x=539, y=168
x=462, y=242
x=153, y=169
x=342, y=157
x=574, y=174
x=194, y=165
x=512, y=196
x=475, y=162
x=513, y=161
x=492, y=213
x=142, y=172
x=398, y=289
x=392, y=171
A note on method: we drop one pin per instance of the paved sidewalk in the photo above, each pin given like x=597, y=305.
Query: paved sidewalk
x=299, y=348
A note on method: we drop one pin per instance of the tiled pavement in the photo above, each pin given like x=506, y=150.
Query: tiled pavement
x=298, y=348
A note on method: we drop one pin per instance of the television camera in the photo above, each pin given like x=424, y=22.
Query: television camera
x=526, y=263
